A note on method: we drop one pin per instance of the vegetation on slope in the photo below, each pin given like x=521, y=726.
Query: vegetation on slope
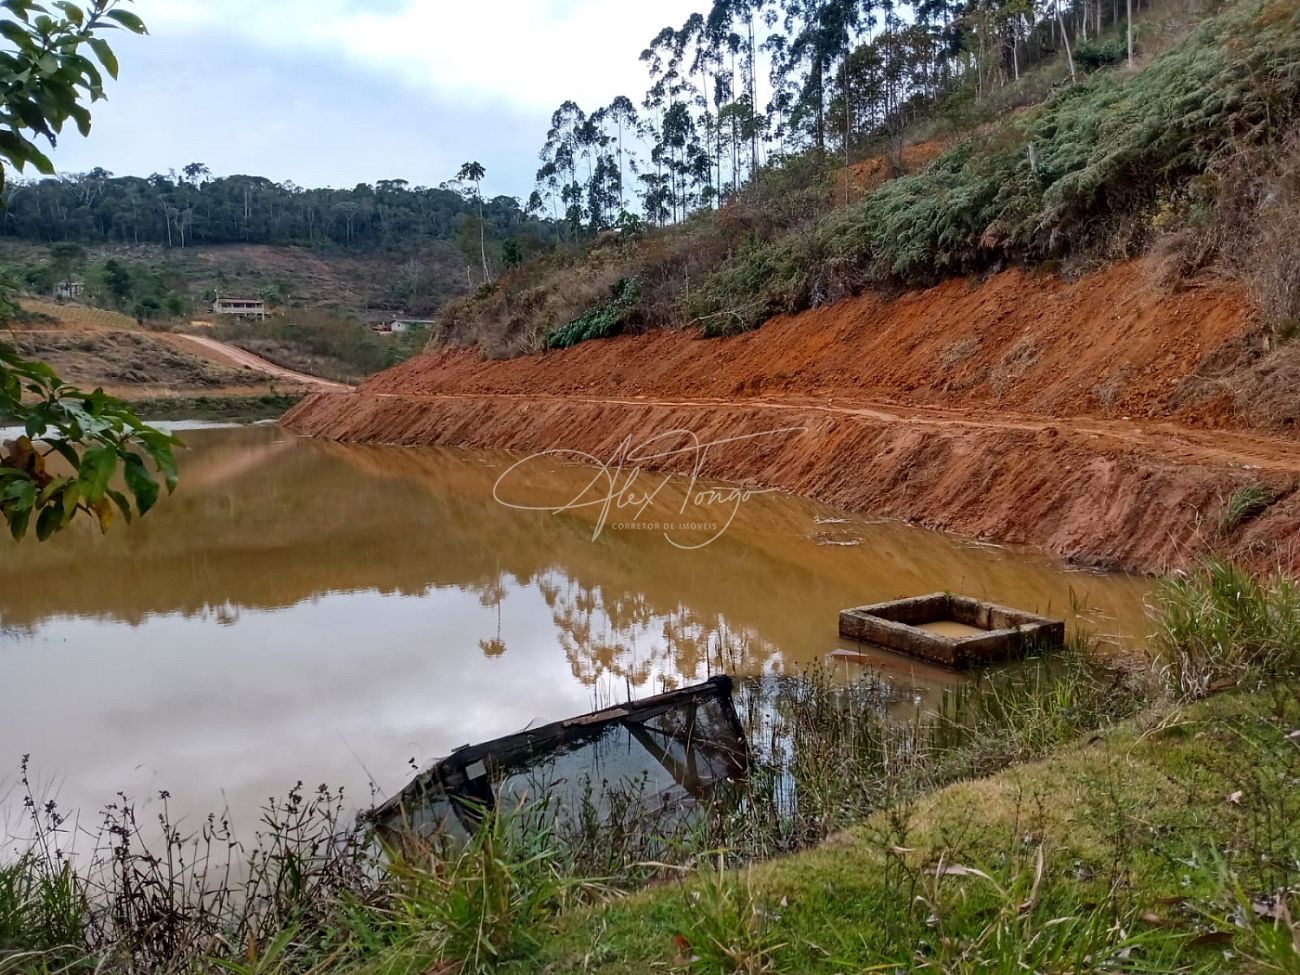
x=1196, y=153
x=1083, y=174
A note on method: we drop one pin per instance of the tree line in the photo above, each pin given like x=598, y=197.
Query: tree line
x=181, y=210
x=750, y=82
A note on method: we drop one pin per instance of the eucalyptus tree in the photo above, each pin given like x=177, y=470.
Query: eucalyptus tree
x=699, y=48
x=560, y=154
x=662, y=60
x=623, y=115
x=740, y=19
x=472, y=173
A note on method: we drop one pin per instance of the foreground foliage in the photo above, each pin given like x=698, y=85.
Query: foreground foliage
x=94, y=435
x=44, y=78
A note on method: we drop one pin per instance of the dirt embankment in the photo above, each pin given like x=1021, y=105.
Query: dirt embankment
x=133, y=363
x=1070, y=416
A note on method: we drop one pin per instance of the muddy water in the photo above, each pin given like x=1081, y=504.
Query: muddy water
x=304, y=610
x=951, y=628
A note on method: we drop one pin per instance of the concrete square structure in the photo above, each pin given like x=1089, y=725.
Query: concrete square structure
x=992, y=633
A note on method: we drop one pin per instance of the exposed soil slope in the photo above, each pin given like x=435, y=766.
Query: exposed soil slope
x=1113, y=343
x=135, y=363
x=1024, y=408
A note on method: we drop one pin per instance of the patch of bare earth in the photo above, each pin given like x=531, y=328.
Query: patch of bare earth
x=1070, y=415
x=137, y=363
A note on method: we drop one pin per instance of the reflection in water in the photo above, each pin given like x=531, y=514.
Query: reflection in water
x=673, y=751
x=304, y=610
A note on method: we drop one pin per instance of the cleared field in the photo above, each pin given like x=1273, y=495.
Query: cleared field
x=136, y=363
x=73, y=316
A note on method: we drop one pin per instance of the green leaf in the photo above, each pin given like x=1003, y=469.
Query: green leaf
x=49, y=521
x=14, y=34
x=128, y=20
x=18, y=522
x=51, y=489
x=122, y=503
x=16, y=149
x=82, y=118
x=64, y=450
x=105, y=54
x=71, y=11
x=20, y=493
x=159, y=446
x=41, y=162
x=97, y=466
x=140, y=482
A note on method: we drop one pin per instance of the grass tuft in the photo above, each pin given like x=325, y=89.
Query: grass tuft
x=1245, y=503
x=1219, y=626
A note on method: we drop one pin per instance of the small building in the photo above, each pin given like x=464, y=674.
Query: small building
x=387, y=322
x=68, y=290
x=409, y=324
x=241, y=307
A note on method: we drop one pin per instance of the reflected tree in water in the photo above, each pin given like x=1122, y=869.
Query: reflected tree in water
x=492, y=596
x=627, y=639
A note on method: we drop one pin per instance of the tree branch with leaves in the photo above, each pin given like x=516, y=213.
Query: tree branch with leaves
x=70, y=445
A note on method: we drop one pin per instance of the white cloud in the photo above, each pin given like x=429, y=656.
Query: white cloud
x=530, y=53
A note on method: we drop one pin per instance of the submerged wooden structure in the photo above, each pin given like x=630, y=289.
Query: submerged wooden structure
x=999, y=632
x=679, y=746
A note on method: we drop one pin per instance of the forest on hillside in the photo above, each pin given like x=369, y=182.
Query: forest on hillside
x=1061, y=134
x=739, y=87
x=192, y=208
x=748, y=83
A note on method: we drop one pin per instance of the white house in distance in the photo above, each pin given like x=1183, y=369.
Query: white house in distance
x=400, y=324
x=242, y=307
x=409, y=324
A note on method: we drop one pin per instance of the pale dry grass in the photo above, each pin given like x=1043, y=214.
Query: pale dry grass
x=80, y=317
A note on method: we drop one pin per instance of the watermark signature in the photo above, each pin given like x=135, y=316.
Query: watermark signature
x=628, y=498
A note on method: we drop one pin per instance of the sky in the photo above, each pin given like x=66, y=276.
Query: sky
x=335, y=93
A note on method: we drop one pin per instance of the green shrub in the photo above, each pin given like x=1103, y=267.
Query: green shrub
x=1094, y=54
x=1220, y=625
x=482, y=904
x=1244, y=504
x=600, y=322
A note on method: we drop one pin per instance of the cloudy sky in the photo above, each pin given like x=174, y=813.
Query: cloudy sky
x=337, y=92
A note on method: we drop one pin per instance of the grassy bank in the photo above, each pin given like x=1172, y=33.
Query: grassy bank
x=1122, y=852
x=1071, y=817
x=235, y=409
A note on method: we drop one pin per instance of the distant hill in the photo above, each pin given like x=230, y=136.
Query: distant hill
x=98, y=208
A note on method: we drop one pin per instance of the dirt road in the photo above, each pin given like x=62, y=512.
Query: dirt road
x=1168, y=441
x=234, y=355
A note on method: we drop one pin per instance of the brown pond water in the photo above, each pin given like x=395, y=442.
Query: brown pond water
x=315, y=611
